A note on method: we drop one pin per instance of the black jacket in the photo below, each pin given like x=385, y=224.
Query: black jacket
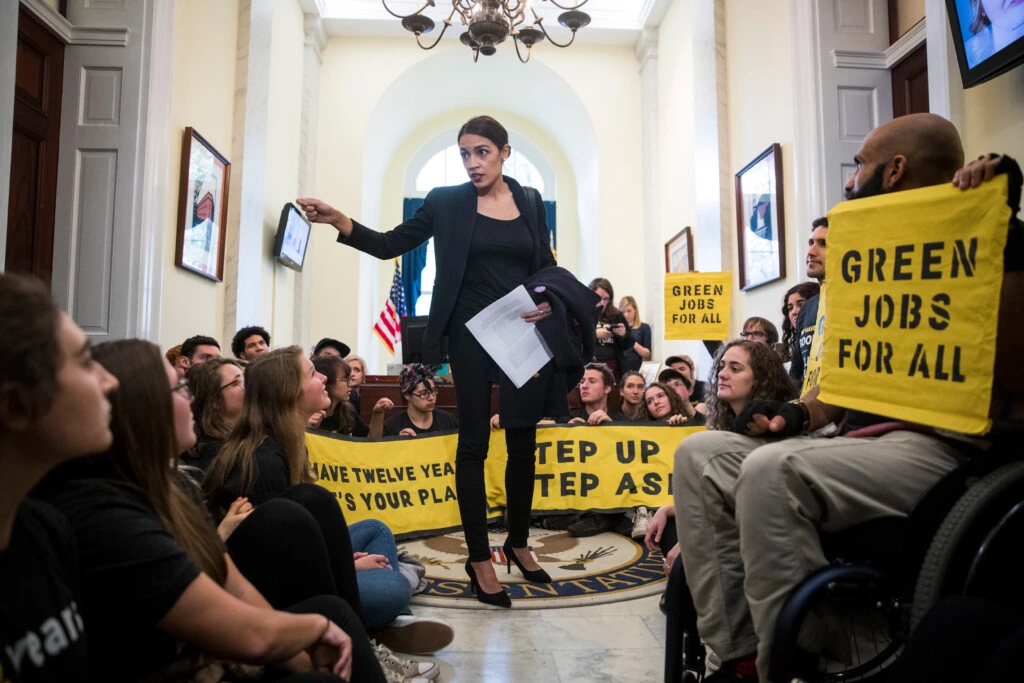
x=449, y=215
x=570, y=330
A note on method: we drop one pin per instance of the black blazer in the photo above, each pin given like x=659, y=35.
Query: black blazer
x=449, y=215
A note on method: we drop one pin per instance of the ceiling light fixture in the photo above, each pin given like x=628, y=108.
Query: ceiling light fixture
x=490, y=22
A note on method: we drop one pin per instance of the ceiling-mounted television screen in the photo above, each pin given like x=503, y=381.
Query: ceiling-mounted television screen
x=989, y=37
x=292, y=238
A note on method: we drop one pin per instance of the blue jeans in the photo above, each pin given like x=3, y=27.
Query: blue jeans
x=384, y=593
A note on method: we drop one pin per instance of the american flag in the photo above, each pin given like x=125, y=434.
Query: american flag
x=387, y=327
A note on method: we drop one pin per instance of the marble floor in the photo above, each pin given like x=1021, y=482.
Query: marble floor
x=620, y=642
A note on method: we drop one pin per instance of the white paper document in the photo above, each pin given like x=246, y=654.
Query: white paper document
x=514, y=344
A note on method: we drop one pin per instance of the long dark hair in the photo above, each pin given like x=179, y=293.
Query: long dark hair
x=144, y=452
x=806, y=290
x=771, y=382
x=610, y=312
x=273, y=392
x=674, y=402
x=208, y=399
x=333, y=367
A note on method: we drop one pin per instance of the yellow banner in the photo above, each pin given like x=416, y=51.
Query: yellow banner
x=409, y=483
x=913, y=291
x=697, y=305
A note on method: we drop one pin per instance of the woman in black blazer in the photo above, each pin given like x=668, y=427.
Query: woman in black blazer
x=490, y=235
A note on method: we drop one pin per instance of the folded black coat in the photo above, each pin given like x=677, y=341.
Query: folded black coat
x=570, y=330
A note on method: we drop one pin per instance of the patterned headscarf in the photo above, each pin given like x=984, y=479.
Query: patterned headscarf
x=412, y=375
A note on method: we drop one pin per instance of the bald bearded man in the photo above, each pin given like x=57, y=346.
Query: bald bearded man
x=749, y=506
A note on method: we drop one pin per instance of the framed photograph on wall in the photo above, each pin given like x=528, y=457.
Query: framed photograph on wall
x=649, y=369
x=679, y=252
x=760, y=228
x=202, y=207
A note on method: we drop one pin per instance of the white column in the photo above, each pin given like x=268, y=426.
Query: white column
x=8, y=59
x=709, y=128
x=654, y=248
x=945, y=89
x=316, y=40
x=244, y=251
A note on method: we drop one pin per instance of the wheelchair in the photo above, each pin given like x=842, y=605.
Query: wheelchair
x=886, y=574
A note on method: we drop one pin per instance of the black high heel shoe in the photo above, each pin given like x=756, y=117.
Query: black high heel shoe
x=499, y=599
x=534, y=575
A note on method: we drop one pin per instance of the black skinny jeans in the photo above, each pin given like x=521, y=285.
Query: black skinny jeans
x=472, y=369
x=365, y=667
x=295, y=546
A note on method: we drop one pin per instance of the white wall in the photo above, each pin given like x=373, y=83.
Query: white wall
x=203, y=98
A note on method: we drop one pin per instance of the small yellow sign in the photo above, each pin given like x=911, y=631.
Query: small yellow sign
x=697, y=305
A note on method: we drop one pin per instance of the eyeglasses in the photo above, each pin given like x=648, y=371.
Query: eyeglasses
x=753, y=334
x=236, y=382
x=182, y=388
x=426, y=393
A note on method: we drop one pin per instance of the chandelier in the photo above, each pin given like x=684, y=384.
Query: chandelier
x=489, y=22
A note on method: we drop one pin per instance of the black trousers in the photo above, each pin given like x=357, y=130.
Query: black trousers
x=364, y=662
x=295, y=546
x=472, y=371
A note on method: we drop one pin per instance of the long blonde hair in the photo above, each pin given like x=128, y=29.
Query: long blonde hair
x=628, y=300
x=273, y=394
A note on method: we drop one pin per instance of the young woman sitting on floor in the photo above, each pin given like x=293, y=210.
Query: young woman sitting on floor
x=265, y=458
x=160, y=595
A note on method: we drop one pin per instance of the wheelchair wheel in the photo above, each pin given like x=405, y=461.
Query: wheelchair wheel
x=865, y=615
x=972, y=552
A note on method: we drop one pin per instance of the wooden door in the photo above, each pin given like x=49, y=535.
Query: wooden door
x=37, y=98
x=910, y=84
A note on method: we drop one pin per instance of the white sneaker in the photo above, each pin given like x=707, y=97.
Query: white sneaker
x=399, y=670
x=641, y=521
x=416, y=635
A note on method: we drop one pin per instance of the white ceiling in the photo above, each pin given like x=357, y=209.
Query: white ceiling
x=612, y=21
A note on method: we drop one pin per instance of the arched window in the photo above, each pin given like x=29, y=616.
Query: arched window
x=445, y=168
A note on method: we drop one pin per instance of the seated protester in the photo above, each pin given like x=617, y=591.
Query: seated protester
x=218, y=391
x=595, y=385
x=682, y=386
x=685, y=365
x=251, y=342
x=339, y=416
x=631, y=389
x=330, y=347
x=755, y=506
x=421, y=416
x=162, y=599
x=661, y=403
x=195, y=351
x=265, y=457
x=760, y=330
x=794, y=300
x=357, y=373
x=53, y=407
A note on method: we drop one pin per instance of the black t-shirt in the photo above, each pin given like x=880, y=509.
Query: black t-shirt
x=631, y=360
x=332, y=423
x=443, y=422
x=614, y=346
x=584, y=415
x=269, y=478
x=500, y=256
x=42, y=633
x=806, y=321
x=697, y=393
x=202, y=455
x=131, y=572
